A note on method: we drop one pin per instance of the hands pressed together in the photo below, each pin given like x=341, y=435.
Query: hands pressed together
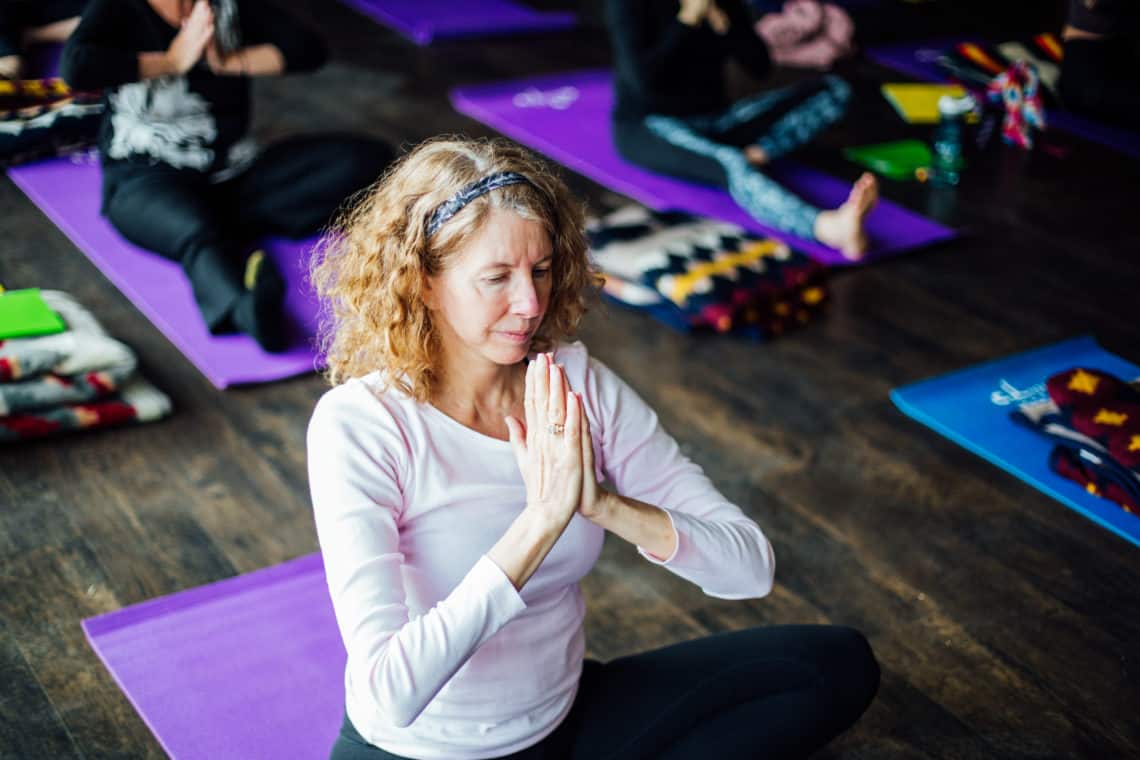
x=553, y=447
x=196, y=39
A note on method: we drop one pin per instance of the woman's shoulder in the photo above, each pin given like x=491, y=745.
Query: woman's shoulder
x=362, y=403
x=574, y=358
x=583, y=370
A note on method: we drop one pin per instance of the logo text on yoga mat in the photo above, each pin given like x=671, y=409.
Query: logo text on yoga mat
x=559, y=99
x=1008, y=393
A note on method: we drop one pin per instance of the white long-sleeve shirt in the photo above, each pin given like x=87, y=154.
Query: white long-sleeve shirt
x=445, y=658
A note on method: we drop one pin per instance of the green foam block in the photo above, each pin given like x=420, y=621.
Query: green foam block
x=899, y=160
x=23, y=314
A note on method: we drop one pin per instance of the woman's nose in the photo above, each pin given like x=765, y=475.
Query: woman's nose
x=524, y=299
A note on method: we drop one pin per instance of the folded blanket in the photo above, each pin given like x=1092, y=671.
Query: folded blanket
x=714, y=274
x=1095, y=418
x=80, y=364
x=78, y=379
x=43, y=117
x=137, y=401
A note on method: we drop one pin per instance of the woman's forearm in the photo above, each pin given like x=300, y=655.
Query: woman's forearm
x=155, y=65
x=641, y=524
x=525, y=545
x=255, y=61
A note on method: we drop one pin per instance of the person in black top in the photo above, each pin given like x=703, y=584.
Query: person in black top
x=1100, y=73
x=672, y=113
x=181, y=175
x=24, y=22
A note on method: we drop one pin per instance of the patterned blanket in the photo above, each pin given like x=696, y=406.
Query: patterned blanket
x=80, y=378
x=713, y=274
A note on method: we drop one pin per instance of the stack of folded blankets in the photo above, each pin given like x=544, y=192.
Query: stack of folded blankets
x=1094, y=418
x=698, y=273
x=79, y=378
x=40, y=118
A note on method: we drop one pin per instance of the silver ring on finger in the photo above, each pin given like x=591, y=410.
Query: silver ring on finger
x=555, y=428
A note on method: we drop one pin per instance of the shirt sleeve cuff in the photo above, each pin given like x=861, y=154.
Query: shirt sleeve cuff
x=502, y=596
x=680, y=547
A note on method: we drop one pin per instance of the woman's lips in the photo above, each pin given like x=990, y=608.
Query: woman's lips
x=516, y=337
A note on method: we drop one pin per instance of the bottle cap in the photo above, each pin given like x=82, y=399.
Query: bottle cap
x=949, y=105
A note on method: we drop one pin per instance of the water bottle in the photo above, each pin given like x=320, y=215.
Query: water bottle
x=948, y=161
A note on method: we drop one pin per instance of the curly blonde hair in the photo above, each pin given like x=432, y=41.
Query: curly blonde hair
x=370, y=271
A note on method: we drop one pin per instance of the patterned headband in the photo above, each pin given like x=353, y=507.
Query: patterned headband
x=450, y=208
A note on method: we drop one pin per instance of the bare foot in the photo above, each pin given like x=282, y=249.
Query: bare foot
x=756, y=155
x=843, y=227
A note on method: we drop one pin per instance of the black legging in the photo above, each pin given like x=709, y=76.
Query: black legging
x=706, y=148
x=775, y=692
x=291, y=190
x=1101, y=79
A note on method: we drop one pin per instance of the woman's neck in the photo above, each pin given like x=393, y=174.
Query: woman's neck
x=470, y=391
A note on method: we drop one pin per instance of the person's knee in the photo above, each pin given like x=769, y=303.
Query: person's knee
x=359, y=162
x=176, y=236
x=854, y=671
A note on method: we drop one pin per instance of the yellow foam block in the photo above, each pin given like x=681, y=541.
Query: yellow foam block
x=918, y=103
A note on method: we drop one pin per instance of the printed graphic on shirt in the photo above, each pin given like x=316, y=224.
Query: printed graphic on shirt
x=163, y=119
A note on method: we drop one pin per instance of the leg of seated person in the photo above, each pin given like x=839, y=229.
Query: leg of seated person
x=639, y=145
x=166, y=211
x=298, y=184
x=170, y=213
x=350, y=745
x=762, y=197
x=773, y=124
x=768, y=201
x=776, y=692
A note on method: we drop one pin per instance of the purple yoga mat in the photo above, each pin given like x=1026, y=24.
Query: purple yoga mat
x=68, y=190
x=249, y=667
x=42, y=61
x=424, y=21
x=920, y=60
x=567, y=117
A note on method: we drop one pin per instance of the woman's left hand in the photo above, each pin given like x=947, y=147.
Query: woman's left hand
x=593, y=501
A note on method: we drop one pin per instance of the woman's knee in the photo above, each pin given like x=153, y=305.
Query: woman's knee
x=851, y=669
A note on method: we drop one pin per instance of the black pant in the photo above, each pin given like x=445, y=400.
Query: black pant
x=1101, y=79
x=291, y=190
x=636, y=143
x=776, y=692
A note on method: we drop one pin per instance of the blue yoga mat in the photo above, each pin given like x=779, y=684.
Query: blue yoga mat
x=971, y=407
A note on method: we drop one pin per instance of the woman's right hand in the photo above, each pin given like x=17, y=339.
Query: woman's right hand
x=192, y=39
x=548, y=446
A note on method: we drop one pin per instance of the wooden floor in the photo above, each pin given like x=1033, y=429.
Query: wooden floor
x=1006, y=625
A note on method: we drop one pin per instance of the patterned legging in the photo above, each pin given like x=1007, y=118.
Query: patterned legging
x=708, y=148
